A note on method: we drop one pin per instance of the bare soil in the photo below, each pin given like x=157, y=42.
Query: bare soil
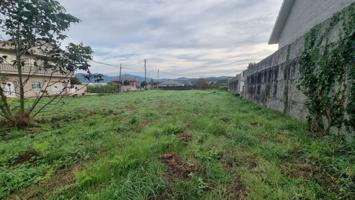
x=236, y=189
x=185, y=137
x=176, y=168
x=28, y=156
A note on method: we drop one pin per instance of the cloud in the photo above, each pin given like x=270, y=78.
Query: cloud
x=194, y=38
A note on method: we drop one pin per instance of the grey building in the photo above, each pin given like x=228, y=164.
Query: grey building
x=297, y=17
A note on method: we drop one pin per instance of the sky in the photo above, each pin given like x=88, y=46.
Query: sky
x=181, y=38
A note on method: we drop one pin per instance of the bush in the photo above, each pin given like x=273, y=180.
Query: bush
x=103, y=89
x=171, y=129
x=223, y=88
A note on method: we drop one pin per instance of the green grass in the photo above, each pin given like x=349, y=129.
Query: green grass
x=108, y=147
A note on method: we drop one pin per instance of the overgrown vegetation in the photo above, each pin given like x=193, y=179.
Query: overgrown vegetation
x=327, y=77
x=172, y=145
x=103, y=89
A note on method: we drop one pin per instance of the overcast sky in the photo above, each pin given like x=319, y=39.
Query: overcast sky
x=190, y=38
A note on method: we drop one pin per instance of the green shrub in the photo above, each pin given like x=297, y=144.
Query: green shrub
x=103, y=89
x=208, y=155
x=170, y=129
x=41, y=147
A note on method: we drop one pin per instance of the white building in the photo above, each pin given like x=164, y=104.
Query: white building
x=297, y=17
x=171, y=83
x=37, y=80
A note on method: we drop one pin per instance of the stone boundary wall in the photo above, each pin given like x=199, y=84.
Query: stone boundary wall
x=273, y=81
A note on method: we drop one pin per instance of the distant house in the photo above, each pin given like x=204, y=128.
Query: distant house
x=77, y=90
x=40, y=81
x=134, y=83
x=297, y=17
x=129, y=85
x=117, y=83
x=171, y=83
x=97, y=84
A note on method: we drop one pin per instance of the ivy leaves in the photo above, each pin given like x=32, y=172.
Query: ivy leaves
x=324, y=74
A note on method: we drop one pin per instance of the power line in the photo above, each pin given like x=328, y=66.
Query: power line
x=102, y=63
x=114, y=65
x=145, y=69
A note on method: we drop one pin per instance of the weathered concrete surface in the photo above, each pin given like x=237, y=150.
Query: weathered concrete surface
x=273, y=81
x=236, y=84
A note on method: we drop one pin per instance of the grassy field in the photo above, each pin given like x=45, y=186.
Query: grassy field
x=172, y=145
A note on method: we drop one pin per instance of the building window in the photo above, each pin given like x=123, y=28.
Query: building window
x=37, y=86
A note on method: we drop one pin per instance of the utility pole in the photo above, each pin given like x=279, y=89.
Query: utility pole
x=158, y=79
x=145, y=73
x=145, y=70
x=120, y=81
x=121, y=73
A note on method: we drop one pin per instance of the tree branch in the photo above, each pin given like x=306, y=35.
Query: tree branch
x=45, y=89
x=48, y=103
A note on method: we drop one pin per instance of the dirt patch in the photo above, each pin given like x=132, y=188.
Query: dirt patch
x=262, y=138
x=63, y=177
x=185, y=137
x=296, y=170
x=131, y=107
x=44, y=189
x=296, y=153
x=256, y=124
x=294, y=165
x=230, y=161
x=251, y=163
x=236, y=190
x=28, y=156
x=176, y=167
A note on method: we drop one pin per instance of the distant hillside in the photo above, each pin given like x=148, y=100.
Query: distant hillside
x=107, y=79
x=186, y=81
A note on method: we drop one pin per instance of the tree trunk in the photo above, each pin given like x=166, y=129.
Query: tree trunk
x=19, y=70
x=4, y=106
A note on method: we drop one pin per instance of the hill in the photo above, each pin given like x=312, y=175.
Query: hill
x=185, y=80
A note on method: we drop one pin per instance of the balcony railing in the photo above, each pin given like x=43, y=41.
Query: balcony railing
x=33, y=71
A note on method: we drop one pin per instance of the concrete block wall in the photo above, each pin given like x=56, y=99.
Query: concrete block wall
x=273, y=82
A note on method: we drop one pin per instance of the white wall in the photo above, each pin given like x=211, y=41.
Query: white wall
x=306, y=14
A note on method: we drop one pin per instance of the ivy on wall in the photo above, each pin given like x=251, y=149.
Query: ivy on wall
x=327, y=75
